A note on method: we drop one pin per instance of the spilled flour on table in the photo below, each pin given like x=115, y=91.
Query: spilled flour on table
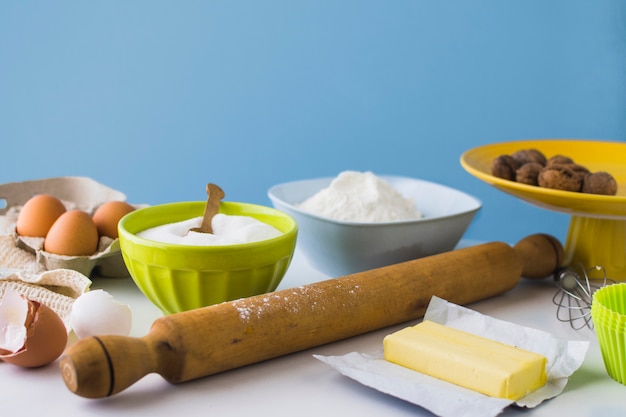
x=304, y=298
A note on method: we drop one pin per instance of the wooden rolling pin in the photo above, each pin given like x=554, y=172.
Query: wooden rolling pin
x=208, y=340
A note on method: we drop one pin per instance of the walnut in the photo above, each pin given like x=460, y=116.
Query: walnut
x=559, y=159
x=504, y=167
x=528, y=173
x=580, y=169
x=599, y=183
x=560, y=177
x=525, y=156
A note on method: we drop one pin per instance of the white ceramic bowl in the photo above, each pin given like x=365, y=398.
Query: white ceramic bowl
x=339, y=248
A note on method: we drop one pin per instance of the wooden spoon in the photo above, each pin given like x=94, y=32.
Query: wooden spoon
x=215, y=195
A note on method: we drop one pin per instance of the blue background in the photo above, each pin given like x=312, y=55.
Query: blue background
x=157, y=98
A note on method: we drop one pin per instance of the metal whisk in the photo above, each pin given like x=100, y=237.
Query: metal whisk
x=575, y=292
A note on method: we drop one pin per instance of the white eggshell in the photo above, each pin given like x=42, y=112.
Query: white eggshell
x=13, y=313
x=97, y=313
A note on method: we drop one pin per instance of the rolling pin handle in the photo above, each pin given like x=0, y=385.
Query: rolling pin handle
x=100, y=366
x=541, y=255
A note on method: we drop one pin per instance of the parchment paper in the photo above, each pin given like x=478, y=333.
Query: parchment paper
x=445, y=399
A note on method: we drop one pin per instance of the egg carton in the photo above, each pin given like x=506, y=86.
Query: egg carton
x=81, y=193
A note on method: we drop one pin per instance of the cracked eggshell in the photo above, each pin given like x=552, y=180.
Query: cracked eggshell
x=97, y=313
x=31, y=333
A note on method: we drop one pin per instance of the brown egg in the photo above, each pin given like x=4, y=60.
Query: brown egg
x=108, y=215
x=38, y=214
x=45, y=340
x=74, y=234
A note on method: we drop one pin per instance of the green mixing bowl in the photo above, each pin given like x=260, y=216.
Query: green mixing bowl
x=183, y=277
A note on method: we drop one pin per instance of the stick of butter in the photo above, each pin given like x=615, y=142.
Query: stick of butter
x=464, y=359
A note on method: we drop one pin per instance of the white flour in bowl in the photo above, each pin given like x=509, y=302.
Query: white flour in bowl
x=361, y=197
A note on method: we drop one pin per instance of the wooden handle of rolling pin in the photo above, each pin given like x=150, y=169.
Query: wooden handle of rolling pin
x=208, y=340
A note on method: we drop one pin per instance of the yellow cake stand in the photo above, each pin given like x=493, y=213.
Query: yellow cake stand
x=597, y=230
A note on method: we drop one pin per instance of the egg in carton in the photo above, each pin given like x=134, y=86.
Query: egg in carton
x=80, y=193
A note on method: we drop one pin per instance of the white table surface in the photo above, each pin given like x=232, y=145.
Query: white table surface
x=299, y=384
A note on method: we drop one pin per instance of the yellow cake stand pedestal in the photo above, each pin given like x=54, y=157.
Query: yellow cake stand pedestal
x=597, y=230
x=592, y=241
